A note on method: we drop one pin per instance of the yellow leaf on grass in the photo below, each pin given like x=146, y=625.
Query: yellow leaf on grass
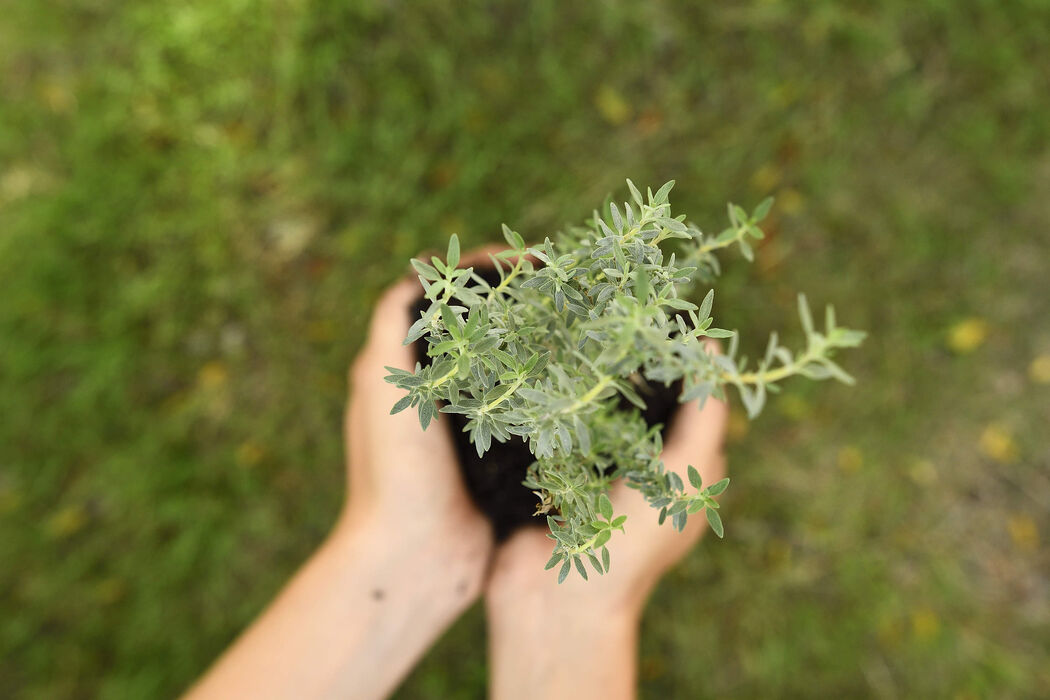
x=212, y=375
x=850, y=459
x=925, y=624
x=738, y=426
x=1024, y=532
x=923, y=472
x=997, y=442
x=1039, y=370
x=109, y=591
x=66, y=521
x=968, y=335
x=790, y=201
x=249, y=454
x=766, y=178
x=10, y=500
x=612, y=105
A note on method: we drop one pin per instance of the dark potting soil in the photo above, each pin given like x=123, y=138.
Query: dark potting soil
x=495, y=479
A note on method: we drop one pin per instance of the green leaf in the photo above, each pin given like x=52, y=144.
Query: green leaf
x=635, y=194
x=630, y=394
x=453, y=251
x=564, y=571
x=804, y=315
x=641, y=285
x=718, y=333
x=605, y=506
x=705, y=306
x=619, y=521
x=402, y=404
x=553, y=561
x=694, y=477
x=513, y=238
x=717, y=487
x=605, y=558
x=426, y=413
x=579, y=566
x=716, y=521
x=450, y=320
x=661, y=194
x=680, y=304
x=762, y=209
x=425, y=271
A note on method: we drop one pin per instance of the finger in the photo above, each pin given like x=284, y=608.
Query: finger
x=390, y=322
x=696, y=435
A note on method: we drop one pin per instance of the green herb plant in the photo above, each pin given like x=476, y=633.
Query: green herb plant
x=546, y=353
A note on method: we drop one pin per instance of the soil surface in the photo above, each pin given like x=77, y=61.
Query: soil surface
x=495, y=479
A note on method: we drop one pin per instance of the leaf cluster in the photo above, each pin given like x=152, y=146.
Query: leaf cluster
x=546, y=351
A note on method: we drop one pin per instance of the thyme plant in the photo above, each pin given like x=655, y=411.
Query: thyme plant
x=546, y=353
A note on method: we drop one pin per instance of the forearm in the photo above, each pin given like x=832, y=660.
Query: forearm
x=536, y=655
x=352, y=622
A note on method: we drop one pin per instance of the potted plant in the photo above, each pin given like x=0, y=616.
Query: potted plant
x=561, y=363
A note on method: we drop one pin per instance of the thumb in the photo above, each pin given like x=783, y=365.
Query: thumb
x=697, y=436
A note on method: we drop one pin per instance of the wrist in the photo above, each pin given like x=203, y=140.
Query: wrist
x=441, y=569
x=584, y=652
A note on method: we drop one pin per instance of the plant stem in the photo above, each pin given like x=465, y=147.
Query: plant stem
x=770, y=376
x=510, y=275
x=591, y=394
x=513, y=387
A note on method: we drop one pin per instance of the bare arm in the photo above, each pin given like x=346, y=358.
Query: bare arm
x=579, y=639
x=407, y=557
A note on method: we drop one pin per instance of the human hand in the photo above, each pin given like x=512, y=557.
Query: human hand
x=405, y=483
x=408, y=554
x=577, y=639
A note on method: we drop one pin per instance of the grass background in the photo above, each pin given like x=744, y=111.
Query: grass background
x=200, y=201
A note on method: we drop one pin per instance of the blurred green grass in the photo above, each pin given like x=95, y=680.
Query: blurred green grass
x=199, y=202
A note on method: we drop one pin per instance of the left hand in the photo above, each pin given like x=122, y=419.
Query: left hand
x=405, y=483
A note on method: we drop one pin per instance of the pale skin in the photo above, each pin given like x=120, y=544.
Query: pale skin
x=410, y=553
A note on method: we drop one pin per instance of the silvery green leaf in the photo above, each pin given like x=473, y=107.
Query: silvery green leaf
x=616, y=218
x=583, y=434
x=705, y=307
x=680, y=304
x=661, y=194
x=762, y=209
x=403, y=403
x=635, y=194
x=718, y=487
x=804, y=315
x=563, y=574
x=453, y=251
x=579, y=566
x=426, y=414
x=425, y=271
x=838, y=373
x=716, y=521
x=694, y=477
